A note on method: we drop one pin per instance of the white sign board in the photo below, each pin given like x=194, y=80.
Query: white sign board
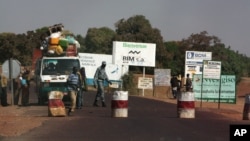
x=162, y=77
x=194, y=62
x=16, y=68
x=145, y=83
x=92, y=61
x=134, y=54
x=212, y=69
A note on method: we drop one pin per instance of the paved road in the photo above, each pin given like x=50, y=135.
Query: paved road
x=148, y=120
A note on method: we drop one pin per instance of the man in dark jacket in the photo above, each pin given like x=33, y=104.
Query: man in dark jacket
x=188, y=83
x=175, y=84
x=99, y=78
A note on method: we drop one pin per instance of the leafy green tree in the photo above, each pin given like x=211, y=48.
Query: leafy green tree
x=99, y=40
x=176, y=60
x=19, y=46
x=232, y=62
x=139, y=29
x=200, y=41
x=81, y=41
x=8, y=46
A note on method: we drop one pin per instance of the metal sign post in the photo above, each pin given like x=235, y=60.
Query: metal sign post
x=11, y=80
x=11, y=69
x=143, y=77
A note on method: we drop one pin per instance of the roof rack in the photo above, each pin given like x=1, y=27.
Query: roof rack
x=56, y=28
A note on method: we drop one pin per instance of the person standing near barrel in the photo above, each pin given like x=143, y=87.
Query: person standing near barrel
x=17, y=89
x=25, y=84
x=3, y=90
x=188, y=83
x=175, y=84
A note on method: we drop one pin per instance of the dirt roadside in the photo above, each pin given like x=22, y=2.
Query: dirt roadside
x=14, y=119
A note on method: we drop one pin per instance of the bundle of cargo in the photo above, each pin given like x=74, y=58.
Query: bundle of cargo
x=54, y=47
x=72, y=48
x=59, y=45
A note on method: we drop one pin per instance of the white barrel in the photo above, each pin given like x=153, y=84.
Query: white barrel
x=55, y=104
x=119, y=104
x=246, y=110
x=186, y=105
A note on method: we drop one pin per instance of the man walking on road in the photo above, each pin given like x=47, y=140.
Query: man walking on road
x=74, y=84
x=83, y=87
x=99, y=78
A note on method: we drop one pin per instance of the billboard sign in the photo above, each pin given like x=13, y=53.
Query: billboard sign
x=211, y=89
x=134, y=54
x=194, y=62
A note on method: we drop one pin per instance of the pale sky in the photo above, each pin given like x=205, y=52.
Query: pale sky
x=229, y=20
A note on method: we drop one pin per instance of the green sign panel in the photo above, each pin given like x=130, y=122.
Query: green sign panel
x=211, y=89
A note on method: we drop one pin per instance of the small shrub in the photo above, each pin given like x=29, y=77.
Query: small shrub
x=128, y=83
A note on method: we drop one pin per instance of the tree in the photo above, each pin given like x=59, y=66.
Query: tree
x=232, y=62
x=19, y=46
x=81, y=41
x=139, y=29
x=200, y=41
x=8, y=46
x=99, y=40
x=176, y=59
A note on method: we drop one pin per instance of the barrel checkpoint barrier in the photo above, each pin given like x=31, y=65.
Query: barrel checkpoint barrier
x=246, y=109
x=186, y=105
x=119, y=104
x=55, y=104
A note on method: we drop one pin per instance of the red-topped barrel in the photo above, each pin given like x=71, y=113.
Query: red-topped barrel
x=186, y=105
x=119, y=104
